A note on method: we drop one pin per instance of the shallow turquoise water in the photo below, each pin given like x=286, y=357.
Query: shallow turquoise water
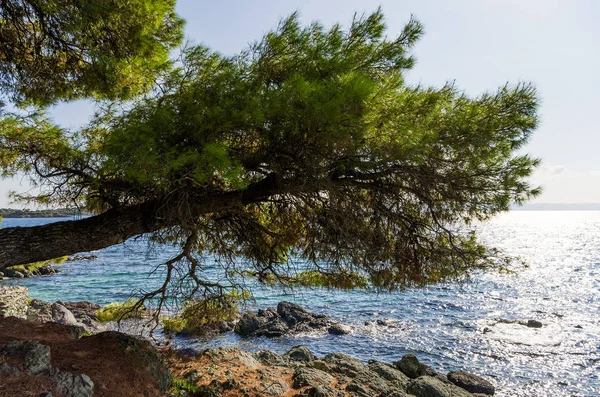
x=442, y=324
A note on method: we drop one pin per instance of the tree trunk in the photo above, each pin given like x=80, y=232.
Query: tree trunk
x=21, y=245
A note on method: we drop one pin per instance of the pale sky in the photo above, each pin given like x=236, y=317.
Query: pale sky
x=479, y=44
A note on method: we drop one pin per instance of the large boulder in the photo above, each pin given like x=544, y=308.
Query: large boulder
x=287, y=319
x=471, y=382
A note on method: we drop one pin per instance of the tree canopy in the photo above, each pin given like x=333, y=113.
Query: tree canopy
x=54, y=49
x=309, y=144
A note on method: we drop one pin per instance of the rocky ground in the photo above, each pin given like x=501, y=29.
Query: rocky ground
x=60, y=350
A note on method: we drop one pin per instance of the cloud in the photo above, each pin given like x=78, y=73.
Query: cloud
x=562, y=184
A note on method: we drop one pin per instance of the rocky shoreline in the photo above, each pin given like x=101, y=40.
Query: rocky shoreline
x=70, y=331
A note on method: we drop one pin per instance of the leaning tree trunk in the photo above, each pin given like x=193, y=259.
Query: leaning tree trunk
x=21, y=245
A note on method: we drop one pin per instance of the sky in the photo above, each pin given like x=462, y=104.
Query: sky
x=477, y=44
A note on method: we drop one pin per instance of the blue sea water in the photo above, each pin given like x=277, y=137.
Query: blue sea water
x=449, y=326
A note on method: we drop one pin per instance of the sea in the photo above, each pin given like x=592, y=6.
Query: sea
x=470, y=325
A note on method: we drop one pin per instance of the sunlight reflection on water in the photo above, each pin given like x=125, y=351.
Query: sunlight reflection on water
x=445, y=325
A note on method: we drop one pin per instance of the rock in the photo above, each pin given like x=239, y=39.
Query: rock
x=410, y=366
x=311, y=377
x=39, y=311
x=74, y=385
x=6, y=369
x=320, y=391
x=534, y=324
x=344, y=364
x=10, y=272
x=247, y=359
x=339, y=329
x=397, y=393
x=142, y=351
x=45, y=394
x=299, y=353
x=36, y=357
x=274, y=388
x=388, y=372
x=268, y=357
x=292, y=313
x=288, y=319
x=429, y=386
x=82, y=309
x=369, y=383
x=62, y=315
x=82, y=258
x=249, y=324
x=273, y=329
x=13, y=302
x=319, y=364
x=44, y=270
x=471, y=382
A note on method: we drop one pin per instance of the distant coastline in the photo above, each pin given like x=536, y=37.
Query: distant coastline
x=557, y=207
x=47, y=213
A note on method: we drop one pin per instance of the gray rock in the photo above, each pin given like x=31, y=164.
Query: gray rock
x=247, y=359
x=320, y=391
x=388, y=372
x=299, y=353
x=268, y=357
x=36, y=357
x=471, y=382
x=344, y=364
x=396, y=393
x=62, y=315
x=339, y=329
x=370, y=383
x=311, y=377
x=45, y=394
x=429, y=386
x=39, y=311
x=74, y=385
x=274, y=388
